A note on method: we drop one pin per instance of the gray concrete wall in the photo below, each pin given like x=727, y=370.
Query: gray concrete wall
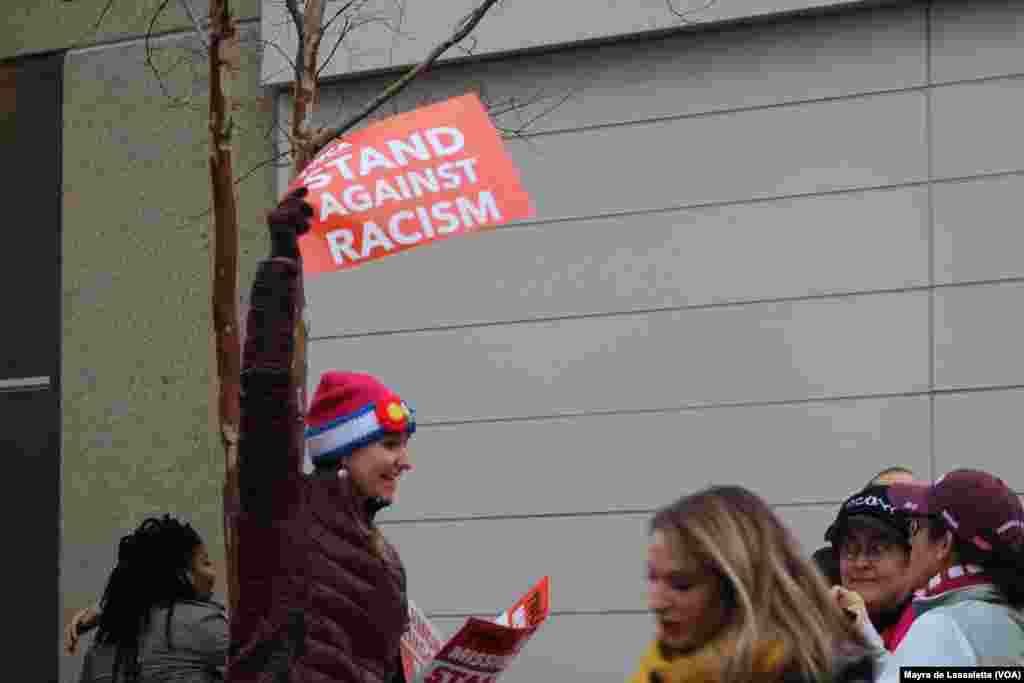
x=32, y=26
x=137, y=431
x=399, y=33
x=777, y=255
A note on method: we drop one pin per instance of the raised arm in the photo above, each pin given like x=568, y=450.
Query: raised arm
x=271, y=444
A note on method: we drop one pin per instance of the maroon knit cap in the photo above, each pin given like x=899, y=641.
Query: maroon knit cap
x=978, y=507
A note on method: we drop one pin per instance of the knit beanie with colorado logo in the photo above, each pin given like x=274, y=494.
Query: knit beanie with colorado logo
x=350, y=410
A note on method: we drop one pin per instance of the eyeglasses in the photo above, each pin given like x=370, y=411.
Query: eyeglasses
x=916, y=525
x=873, y=552
x=919, y=523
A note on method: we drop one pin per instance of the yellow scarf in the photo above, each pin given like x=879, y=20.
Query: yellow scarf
x=706, y=664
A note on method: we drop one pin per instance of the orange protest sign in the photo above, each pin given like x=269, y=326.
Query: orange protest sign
x=407, y=181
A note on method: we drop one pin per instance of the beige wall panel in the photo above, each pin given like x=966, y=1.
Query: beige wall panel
x=634, y=462
x=979, y=333
x=679, y=74
x=976, y=128
x=32, y=26
x=981, y=429
x=977, y=229
x=799, y=149
x=782, y=248
x=596, y=562
x=510, y=27
x=821, y=348
x=809, y=522
x=976, y=39
x=137, y=436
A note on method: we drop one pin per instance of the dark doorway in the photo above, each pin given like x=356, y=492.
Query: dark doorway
x=30, y=134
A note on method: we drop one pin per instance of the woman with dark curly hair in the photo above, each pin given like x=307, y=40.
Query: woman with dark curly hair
x=156, y=619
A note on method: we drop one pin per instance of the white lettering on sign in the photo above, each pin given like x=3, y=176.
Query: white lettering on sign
x=451, y=175
x=407, y=228
x=433, y=143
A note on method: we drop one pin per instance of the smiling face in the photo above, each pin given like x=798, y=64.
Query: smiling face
x=376, y=469
x=684, y=596
x=874, y=566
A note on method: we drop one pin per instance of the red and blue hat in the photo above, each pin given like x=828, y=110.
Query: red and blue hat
x=350, y=410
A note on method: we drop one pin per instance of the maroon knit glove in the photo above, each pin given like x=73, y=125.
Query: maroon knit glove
x=289, y=220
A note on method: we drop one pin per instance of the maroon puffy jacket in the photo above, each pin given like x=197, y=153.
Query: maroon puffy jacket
x=316, y=604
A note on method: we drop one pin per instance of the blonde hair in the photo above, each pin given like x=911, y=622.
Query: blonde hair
x=772, y=593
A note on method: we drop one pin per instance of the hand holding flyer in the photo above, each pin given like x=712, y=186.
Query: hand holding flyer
x=483, y=649
x=409, y=180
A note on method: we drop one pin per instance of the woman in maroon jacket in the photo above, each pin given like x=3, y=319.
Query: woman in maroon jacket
x=322, y=593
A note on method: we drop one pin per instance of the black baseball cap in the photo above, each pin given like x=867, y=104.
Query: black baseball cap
x=873, y=508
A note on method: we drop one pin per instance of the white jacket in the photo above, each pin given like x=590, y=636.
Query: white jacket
x=969, y=626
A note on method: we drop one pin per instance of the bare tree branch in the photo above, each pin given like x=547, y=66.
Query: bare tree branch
x=280, y=50
x=351, y=25
x=337, y=43
x=103, y=15
x=96, y=24
x=348, y=5
x=465, y=27
x=293, y=10
x=684, y=15
x=148, y=48
x=200, y=33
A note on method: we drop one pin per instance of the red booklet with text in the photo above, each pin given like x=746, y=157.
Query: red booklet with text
x=481, y=650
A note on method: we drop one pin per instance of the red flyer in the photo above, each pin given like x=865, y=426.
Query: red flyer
x=482, y=649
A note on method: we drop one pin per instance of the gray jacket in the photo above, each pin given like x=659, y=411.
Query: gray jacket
x=970, y=626
x=196, y=652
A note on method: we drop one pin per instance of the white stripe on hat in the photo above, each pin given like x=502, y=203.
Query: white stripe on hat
x=1009, y=525
x=950, y=519
x=344, y=434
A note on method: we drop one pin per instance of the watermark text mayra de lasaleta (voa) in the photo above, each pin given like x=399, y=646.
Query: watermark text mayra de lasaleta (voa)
x=958, y=673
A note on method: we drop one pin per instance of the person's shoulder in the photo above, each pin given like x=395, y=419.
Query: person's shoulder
x=978, y=608
x=196, y=610
x=854, y=664
x=935, y=620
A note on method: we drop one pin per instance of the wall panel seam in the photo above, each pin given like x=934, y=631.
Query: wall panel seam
x=789, y=103
x=701, y=407
x=732, y=303
x=930, y=222
x=589, y=514
x=155, y=38
x=635, y=512
x=765, y=199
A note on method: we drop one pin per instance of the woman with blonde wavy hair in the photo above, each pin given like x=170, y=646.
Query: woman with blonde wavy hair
x=735, y=600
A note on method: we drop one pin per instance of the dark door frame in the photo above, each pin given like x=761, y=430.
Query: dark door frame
x=31, y=90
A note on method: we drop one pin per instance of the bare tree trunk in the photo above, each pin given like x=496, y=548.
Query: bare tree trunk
x=310, y=35
x=224, y=64
x=309, y=26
